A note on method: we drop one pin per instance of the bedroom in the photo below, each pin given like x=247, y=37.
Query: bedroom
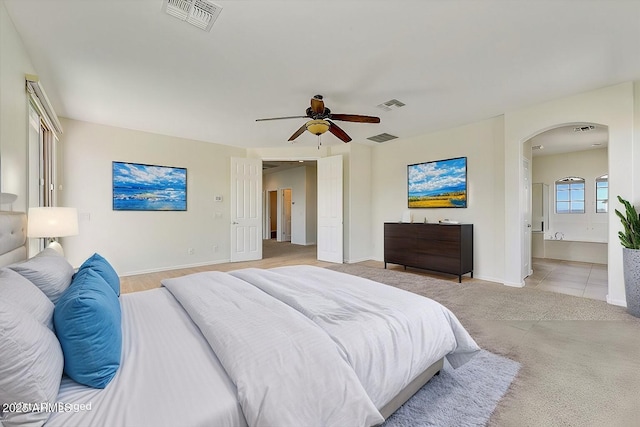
x=375, y=184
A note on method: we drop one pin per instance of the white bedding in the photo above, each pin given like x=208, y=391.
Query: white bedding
x=212, y=349
x=169, y=376
x=287, y=370
x=388, y=335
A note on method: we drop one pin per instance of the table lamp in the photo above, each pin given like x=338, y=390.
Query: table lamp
x=51, y=223
x=8, y=199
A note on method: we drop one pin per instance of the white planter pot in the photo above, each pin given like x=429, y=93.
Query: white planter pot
x=631, y=265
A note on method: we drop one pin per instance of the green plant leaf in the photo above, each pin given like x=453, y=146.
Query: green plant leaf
x=630, y=237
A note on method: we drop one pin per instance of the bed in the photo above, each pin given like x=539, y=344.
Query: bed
x=296, y=345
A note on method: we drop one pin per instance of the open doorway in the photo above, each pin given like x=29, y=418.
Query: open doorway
x=290, y=204
x=277, y=210
x=285, y=221
x=568, y=210
x=272, y=214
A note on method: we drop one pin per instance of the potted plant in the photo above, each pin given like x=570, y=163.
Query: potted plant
x=630, y=239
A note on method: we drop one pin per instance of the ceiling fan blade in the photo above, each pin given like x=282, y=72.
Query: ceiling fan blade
x=355, y=118
x=317, y=104
x=298, y=132
x=339, y=133
x=281, y=118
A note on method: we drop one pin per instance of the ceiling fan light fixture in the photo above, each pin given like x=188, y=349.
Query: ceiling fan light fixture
x=317, y=127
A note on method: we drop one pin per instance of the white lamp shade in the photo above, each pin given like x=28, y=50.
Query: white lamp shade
x=52, y=222
x=7, y=198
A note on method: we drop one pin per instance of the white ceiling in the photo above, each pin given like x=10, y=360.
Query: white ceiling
x=126, y=63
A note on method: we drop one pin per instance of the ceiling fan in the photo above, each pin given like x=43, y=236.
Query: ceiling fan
x=321, y=122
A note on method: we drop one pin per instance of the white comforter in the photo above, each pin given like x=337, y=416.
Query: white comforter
x=169, y=376
x=327, y=350
x=287, y=370
x=388, y=335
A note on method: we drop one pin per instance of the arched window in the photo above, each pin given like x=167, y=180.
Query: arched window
x=570, y=195
x=602, y=194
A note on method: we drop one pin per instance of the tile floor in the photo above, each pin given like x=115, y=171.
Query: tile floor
x=581, y=279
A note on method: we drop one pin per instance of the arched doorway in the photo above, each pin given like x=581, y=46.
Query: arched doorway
x=568, y=209
x=611, y=106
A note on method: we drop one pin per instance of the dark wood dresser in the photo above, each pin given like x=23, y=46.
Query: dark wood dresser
x=446, y=248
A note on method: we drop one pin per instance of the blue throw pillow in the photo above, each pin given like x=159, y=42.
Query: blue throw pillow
x=87, y=320
x=101, y=266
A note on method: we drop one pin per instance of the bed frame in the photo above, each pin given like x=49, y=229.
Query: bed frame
x=13, y=248
x=411, y=389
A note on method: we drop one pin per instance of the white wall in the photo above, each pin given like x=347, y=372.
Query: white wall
x=482, y=144
x=591, y=164
x=14, y=113
x=137, y=242
x=611, y=106
x=301, y=207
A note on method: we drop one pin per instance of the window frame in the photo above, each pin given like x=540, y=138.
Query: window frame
x=570, y=181
x=605, y=202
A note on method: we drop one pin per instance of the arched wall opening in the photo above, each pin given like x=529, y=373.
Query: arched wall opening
x=567, y=213
x=612, y=107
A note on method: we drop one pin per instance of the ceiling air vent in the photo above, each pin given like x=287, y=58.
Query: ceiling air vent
x=390, y=105
x=199, y=13
x=584, y=128
x=383, y=137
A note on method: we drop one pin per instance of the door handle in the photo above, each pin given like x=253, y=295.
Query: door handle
x=234, y=223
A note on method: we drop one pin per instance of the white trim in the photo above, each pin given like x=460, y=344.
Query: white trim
x=513, y=284
x=41, y=101
x=616, y=301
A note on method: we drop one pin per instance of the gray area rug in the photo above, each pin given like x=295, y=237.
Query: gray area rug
x=459, y=397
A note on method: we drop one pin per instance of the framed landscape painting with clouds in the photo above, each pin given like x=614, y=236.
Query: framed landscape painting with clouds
x=438, y=184
x=140, y=187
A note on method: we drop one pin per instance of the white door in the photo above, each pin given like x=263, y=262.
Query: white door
x=330, y=209
x=526, y=219
x=246, y=209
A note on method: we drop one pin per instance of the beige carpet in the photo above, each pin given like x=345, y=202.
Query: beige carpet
x=580, y=357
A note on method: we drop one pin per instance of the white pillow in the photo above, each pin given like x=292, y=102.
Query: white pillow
x=49, y=271
x=20, y=292
x=31, y=365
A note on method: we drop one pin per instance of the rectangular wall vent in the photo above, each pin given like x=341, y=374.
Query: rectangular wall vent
x=199, y=13
x=390, y=105
x=383, y=137
x=584, y=128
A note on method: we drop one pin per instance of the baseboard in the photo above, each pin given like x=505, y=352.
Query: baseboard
x=354, y=261
x=616, y=301
x=486, y=278
x=514, y=284
x=175, y=267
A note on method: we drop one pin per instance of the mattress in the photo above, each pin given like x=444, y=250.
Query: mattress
x=169, y=375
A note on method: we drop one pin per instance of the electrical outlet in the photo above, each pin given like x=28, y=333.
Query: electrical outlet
x=215, y=248
x=190, y=251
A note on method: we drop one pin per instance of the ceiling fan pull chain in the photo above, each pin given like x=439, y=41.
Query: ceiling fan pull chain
x=319, y=142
